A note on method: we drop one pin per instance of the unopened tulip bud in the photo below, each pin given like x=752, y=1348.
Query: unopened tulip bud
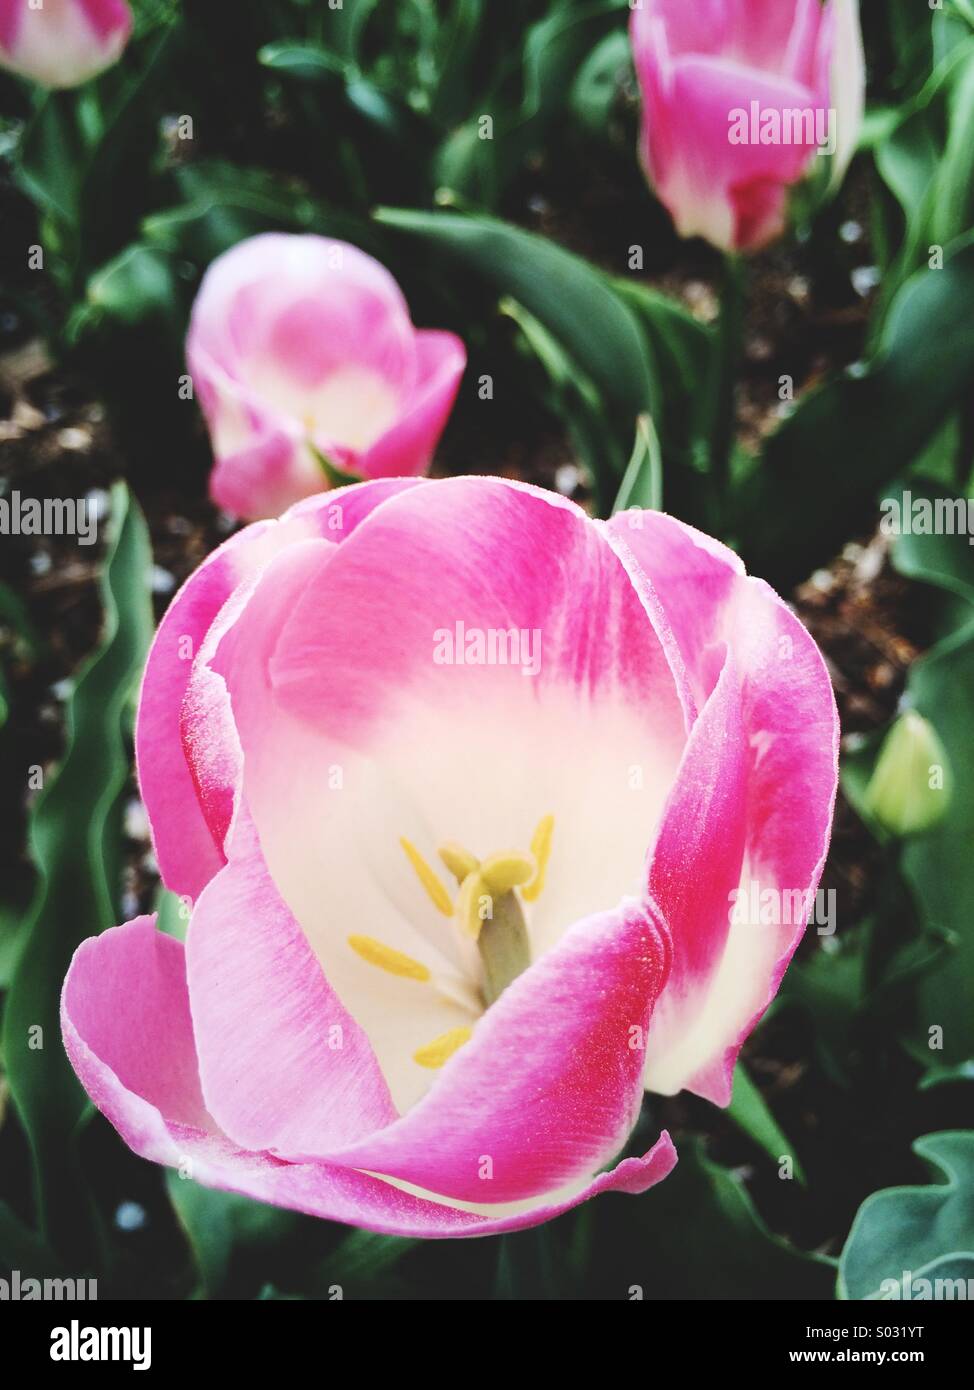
x=738, y=95
x=910, y=788
x=62, y=43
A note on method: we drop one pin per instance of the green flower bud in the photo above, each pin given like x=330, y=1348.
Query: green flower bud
x=911, y=785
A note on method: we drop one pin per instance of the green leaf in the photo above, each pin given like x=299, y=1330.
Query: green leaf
x=53, y=155
x=938, y=866
x=136, y=284
x=954, y=197
x=574, y=301
x=913, y=1229
x=553, y=52
x=219, y=1224
x=945, y=559
x=682, y=352
x=750, y=1112
x=948, y=1076
x=822, y=469
x=642, y=485
x=172, y=913
x=360, y=1261
x=830, y=986
x=908, y=160
x=596, y=87
x=346, y=26
x=75, y=837
x=223, y=203
x=22, y=1249
x=702, y=1238
x=307, y=61
x=572, y=396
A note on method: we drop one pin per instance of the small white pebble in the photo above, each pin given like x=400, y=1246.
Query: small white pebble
x=99, y=503
x=567, y=479
x=161, y=580
x=74, y=439
x=864, y=279
x=136, y=820
x=130, y=1216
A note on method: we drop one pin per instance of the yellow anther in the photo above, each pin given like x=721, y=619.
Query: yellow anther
x=507, y=870
x=472, y=890
x=441, y=1049
x=387, y=959
x=458, y=860
x=541, y=849
x=438, y=894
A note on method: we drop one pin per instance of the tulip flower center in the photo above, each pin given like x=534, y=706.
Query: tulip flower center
x=487, y=912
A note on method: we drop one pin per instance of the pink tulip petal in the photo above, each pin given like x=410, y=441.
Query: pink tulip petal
x=550, y=1084
x=710, y=170
x=777, y=36
x=107, y=17
x=305, y=303
x=62, y=43
x=265, y=477
x=187, y=852
x=128, y=1033
x=431, y=751
x=407, y=448
x=284, y=1066
x=697, y=65
x=187, y=756
x=506, y=556
x=126, y=1021
x=772, y=817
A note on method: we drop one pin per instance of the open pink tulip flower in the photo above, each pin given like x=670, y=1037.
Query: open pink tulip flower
x=301, y=347
x=463, y=788
x=739, y=97
x=62, y=43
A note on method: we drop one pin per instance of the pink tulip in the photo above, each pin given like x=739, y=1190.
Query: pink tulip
x=297, y=345
x=601, y=732
x=62, y=43
x=738, y=96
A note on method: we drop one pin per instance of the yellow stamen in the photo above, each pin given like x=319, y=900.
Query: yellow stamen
x=541, y=849
x=441, y=1049
x=387, y=959
x=438, y=894
x=458, y=860
x=472, y=890
x=507, y=870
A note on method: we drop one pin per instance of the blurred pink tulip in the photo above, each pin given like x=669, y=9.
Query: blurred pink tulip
x=299, y=345
x=62, y=43
x=738, y=96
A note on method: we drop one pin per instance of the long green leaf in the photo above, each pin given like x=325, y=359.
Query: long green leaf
x=75, y=836
x=751, y=1113
x=820, y=472
x=574, y=301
